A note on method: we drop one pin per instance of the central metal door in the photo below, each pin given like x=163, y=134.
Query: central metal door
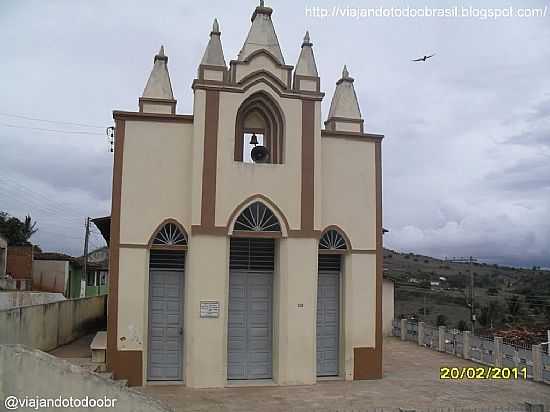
x=250, y=329
x=328, y=315
x=166, y=291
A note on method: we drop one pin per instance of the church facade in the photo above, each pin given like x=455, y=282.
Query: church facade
x=246, y=239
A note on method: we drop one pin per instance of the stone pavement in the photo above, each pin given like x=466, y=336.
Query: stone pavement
x=411, y=381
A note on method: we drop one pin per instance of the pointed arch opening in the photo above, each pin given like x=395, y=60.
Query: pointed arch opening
x=170, y=234
x=259, y=122
x=333, y=241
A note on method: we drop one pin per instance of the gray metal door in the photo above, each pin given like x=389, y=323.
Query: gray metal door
x=250, y=332
x=328, y=320
x=166, y=291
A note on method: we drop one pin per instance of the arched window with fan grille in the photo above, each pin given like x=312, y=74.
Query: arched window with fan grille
x=257, y=218
x=170, y=235
x=333, y=241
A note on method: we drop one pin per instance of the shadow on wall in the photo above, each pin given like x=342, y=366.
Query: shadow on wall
x=48, y=326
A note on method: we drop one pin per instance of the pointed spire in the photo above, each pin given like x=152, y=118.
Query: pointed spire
x=159, y=86
x=213, y=55
x=345, y=73
x=262, y=35
x=344, y=103
x=306, y=65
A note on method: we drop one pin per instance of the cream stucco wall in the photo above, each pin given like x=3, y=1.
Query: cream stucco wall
x=156, y=178
x=279, y=182
x=132, y=298
x=157, y=108
x=349, y=193
x=359, y=305
x=296, y=311
x=205, y=339
x=213, y=75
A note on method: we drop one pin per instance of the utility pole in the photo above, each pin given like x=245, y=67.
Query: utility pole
x=470, y=260
x=86, y=237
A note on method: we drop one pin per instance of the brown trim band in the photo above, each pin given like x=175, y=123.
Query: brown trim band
x=308, y=166
x=210, y=159
x=124, y=364
x=364, y=251
x=152, y=117
x=366, y=137
x=367, y=362
x=289, y=94
x=132, y=246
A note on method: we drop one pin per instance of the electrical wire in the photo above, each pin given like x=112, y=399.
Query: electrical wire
x=51, y=121
x=50, y=130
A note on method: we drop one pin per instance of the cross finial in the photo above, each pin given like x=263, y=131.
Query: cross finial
x=261, y=3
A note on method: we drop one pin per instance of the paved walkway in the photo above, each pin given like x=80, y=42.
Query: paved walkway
x=411, y=380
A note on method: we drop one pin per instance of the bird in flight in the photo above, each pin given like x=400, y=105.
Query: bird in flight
x=423, y=59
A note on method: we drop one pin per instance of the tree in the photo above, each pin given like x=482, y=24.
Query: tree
x=15, y=231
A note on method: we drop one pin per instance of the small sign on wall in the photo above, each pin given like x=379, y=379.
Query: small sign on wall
x=210, y=309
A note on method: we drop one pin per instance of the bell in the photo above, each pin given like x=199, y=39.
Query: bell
x=254, y=139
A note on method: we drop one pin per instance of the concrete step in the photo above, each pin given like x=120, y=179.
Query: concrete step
x=99, y=347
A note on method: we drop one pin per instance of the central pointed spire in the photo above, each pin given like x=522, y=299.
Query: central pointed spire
x=262, y=35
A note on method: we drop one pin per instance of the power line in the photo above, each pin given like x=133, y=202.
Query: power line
x=51, y=121
x=50, y=130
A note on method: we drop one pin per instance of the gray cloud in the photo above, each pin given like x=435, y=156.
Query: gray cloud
x=466, y=152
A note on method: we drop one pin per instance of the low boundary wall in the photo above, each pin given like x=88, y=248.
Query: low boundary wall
x=49, y=326
x=33, y=374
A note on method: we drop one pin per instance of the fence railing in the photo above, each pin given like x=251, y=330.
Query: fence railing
x=487, y=350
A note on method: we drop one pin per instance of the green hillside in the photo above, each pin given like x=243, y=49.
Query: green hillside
x=438, y=291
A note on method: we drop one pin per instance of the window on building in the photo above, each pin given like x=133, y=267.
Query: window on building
x=90, y=278
x=102, y=278
x=257, y=218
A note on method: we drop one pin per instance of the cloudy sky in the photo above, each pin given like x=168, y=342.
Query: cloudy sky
x=466, y=156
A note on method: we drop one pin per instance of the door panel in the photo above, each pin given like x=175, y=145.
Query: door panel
x=328, y=319
x=250, y=325
x=165, y=325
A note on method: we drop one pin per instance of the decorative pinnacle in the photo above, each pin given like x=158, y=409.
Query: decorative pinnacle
x=262, y=3
x=306, y=37
x=345, y=73
x=215, y=26
x=161, y=55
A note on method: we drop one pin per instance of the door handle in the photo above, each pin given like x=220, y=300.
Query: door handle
x=181, y=331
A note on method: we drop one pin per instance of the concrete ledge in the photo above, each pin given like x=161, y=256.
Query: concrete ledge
x=32, y=373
